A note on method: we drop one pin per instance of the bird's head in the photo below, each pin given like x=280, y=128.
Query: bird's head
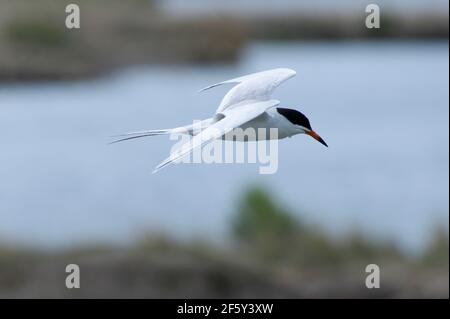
x=301, y=123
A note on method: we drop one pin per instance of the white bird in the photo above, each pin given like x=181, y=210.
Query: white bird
x=247, y=105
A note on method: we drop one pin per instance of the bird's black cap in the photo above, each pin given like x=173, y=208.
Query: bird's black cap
x=295, y=117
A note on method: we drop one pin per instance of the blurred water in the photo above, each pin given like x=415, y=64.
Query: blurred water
x=248, y=7
x=382, y=108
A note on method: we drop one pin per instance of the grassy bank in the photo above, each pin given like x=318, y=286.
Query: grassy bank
x=271, y=254
x=35, y=44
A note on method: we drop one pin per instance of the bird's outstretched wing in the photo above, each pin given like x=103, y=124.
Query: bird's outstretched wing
x=233, y=118
x=253, y=87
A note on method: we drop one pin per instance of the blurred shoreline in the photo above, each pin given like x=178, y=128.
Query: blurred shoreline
x=271, y=254
x=157, y=267
x=35, y=45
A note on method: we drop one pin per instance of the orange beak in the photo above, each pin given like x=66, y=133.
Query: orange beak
x=316, y=136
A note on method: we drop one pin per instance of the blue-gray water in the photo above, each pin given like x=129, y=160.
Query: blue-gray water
x=382, y=108
x=249, y=7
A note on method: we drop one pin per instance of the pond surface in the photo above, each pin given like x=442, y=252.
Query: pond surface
x=381, y=106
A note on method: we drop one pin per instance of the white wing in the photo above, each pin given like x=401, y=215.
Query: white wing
x=233, y=118
x=253, y=87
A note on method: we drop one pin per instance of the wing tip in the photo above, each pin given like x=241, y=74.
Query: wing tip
x=163, y=164
x=209, y=87
x=288, y=71
x=157, y=169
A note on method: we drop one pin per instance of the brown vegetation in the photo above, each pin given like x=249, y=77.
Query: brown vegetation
x=273, y=255
x=35, y=44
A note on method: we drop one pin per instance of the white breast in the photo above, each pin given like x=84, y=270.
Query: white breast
x=270, y=119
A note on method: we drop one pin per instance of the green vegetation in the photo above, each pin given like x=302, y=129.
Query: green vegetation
x=41, y=33
x=260, y=219
x=273, y=254
x=269, y=231
x=437, y=252
x=34, y=43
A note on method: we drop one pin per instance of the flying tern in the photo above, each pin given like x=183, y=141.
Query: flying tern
x=248, y=104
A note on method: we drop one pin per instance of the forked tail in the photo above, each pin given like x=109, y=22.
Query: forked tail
x=191, y=129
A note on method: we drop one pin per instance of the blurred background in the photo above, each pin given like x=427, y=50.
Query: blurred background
x=378, y=194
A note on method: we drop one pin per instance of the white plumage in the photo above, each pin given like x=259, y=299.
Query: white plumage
x=253, y=87
x=248, y=104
